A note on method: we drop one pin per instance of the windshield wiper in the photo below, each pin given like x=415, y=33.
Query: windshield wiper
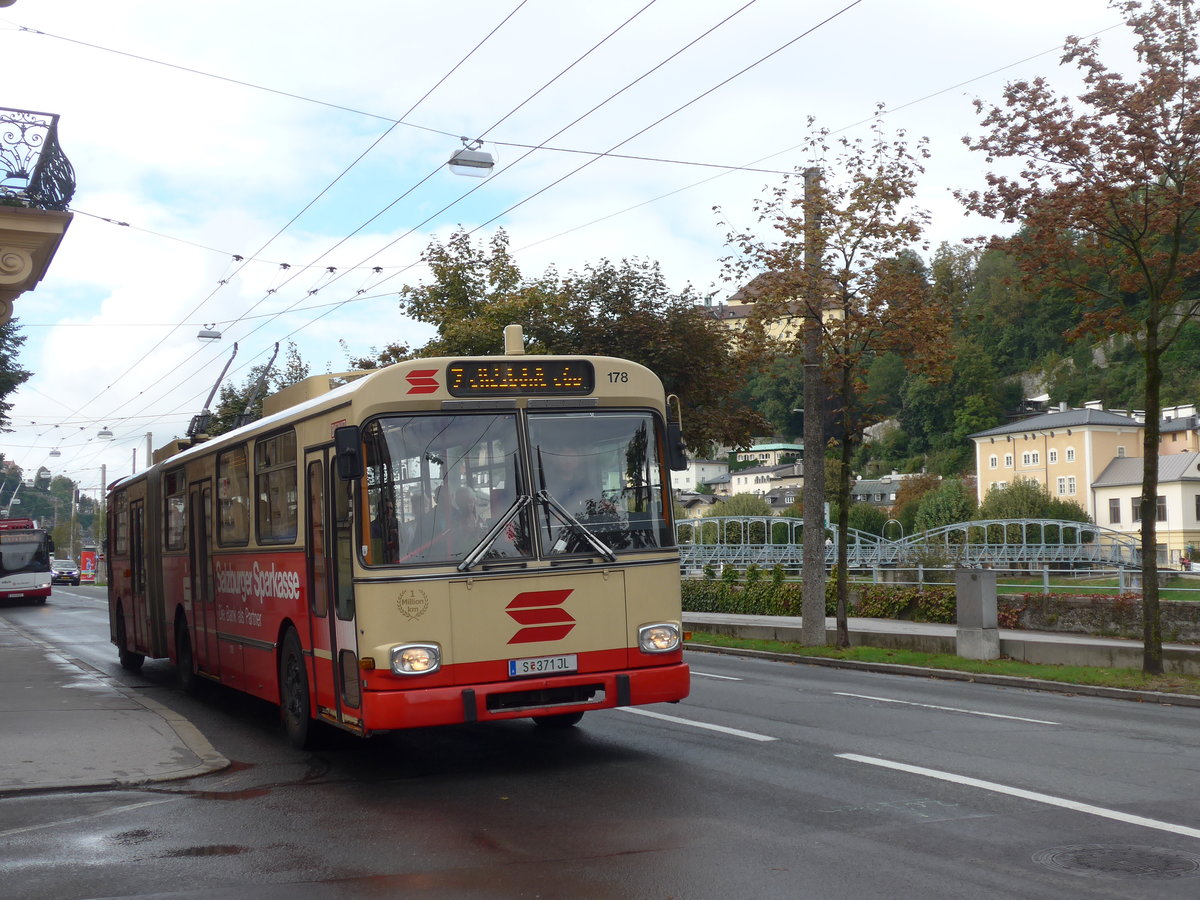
x=480, y=550
x=578, y=527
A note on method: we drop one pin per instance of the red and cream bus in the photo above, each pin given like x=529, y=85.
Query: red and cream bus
x=25, y=552
x=440, y=541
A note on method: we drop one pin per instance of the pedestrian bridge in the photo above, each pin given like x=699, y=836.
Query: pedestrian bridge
x=767, y=541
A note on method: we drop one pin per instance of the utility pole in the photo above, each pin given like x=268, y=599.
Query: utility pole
x=812, y=595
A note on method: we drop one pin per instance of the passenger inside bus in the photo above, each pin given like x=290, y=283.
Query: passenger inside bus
x=385, y=532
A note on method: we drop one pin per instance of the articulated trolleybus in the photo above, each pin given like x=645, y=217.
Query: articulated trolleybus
x=440, y=541
x=25, y=552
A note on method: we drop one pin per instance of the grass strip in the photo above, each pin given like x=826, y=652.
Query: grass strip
x=1128, y=679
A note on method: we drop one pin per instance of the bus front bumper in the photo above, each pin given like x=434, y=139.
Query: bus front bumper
x=419, y=708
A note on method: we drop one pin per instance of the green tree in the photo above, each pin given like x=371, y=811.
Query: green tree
x=610, y=309
x=867, y=517
x=845, y=250
x=1109, y=200
x=247, y=398
x=950, y=502
x=741, y=505
x=1023, y=498
x=12, y=375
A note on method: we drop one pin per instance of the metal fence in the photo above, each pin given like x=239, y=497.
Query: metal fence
x=34, y=171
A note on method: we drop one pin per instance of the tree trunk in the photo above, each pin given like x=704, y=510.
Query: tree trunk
x=812, y=596
x=1152, y=654
x=843, y=541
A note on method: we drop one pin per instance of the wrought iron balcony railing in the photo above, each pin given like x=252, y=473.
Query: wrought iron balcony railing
x=34, y=171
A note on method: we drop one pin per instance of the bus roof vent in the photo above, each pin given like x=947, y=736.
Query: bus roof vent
x=514, y=340
x=307, y=389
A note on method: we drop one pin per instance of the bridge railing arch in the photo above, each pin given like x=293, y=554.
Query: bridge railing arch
x=766, y=541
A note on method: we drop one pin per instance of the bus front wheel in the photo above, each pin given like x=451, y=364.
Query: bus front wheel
x=293, y=692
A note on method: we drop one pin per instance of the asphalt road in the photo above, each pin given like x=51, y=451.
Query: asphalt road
x=771, y=780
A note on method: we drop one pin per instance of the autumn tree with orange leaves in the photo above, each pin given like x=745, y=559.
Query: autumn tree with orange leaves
x=843, y=255
x=1108, y=200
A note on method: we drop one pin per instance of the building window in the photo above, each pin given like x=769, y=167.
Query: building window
x=1197, y=499
x=1136, y=503
x=1114, y=511
x=1071, y=485
x=1026, y=459
x=1053, y=456
x=1070, y=454
x=1062, y=486
x=1008, y=461
x=1120, y=453
x=789, y=499
x=1160, y=508
x=993, y=461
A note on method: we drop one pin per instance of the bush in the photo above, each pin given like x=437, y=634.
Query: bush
x=762, y=598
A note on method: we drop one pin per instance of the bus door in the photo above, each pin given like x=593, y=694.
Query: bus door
x=204, y=606
x=137, y=574
x=329, y=550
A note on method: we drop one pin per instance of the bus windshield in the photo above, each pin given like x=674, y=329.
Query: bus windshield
x=459, y=489
x=598, y=470
x=25, y=552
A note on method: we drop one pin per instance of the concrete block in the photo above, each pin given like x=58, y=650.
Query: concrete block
x=977, y=643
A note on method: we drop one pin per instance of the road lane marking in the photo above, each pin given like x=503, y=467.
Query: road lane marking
x=736, y=732
x=1026, y=795
x=96, y=815
x=969, y=712
x=710, y=675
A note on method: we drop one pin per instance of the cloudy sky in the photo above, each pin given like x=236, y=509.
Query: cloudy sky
x=314, y=135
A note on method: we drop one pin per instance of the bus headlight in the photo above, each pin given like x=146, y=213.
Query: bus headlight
x=661, y=638
x=416, y=659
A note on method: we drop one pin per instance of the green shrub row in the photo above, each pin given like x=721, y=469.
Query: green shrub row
x=780, y=598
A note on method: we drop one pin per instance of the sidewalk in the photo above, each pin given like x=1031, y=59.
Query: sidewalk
x=68, y=725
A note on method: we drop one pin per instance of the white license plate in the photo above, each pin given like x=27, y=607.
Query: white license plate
x=543, y=665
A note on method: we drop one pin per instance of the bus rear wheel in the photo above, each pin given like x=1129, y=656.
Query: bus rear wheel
x=293, y=693
x=129, y=660
x=185, y=660
x=561, y=720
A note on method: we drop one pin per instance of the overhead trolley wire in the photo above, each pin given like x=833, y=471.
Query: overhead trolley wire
x=322, y=193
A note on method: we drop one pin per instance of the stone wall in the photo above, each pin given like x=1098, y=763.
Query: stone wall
x=1097, y=615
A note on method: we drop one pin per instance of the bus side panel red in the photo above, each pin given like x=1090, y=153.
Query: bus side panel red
x=255, y=593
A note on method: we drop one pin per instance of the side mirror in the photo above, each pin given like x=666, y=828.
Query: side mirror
x=676, y=448
x=348, y=452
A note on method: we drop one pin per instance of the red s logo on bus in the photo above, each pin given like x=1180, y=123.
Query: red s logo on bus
x=542, y=613
x=422, y=381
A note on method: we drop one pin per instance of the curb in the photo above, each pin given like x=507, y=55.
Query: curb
x=1032, y=684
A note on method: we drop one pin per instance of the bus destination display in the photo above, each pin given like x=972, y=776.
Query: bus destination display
x=503, y=377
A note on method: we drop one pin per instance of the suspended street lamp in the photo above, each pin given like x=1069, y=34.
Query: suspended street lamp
x=208, y=333
x=105, y=434
x=471, y=160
